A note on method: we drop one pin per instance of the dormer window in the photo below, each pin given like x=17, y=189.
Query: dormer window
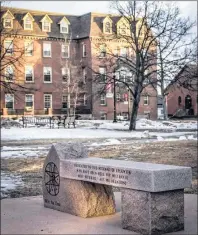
x=28, y=22
x=46, y=26
x=123, y=27
x=46, y=23
x=64, y=25
x=64, y=28
x=8, y=23
x=107, y=25
x=8, y=20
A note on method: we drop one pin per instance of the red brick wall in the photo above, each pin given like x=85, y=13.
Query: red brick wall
x=56, y=88
x=172, y=99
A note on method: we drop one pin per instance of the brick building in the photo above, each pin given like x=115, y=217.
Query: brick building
x=182, y=96
x=60, y=52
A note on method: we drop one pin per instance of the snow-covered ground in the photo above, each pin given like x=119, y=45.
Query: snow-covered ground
x=101, y=133
x=9, y=182
x=100, y=129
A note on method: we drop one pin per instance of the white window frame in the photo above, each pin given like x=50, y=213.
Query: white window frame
x=44, y=49
x=32, y=68
x=116, y=52
x=84, y=75
x=122, y=27
x=84, y=50
x=125, y=116
x=30, y=107
x=11, y=95
x=118, y=97
x=7, y=73
x=65, y=71
x=64, y=25
x=85, y=99
x=123, y=51
x=50, y=95
x=50, y=69
x=101, y=114
x=63, y=100
x=43, y=26
x=28, y=44
x=25, y=24
x=10, y=47
x=62, y=50
x=110, y=28
x=11, y=22
x=103, y=73
x=103, y=51
x=146, y=98
x=103, y=98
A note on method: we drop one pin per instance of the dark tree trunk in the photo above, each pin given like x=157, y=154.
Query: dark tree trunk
x=134, y=111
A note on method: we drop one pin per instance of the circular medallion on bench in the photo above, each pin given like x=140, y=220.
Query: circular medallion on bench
x=52, y=179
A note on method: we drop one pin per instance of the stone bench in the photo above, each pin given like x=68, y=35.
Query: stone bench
x=152, y=195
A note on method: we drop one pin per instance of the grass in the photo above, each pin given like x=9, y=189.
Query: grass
x=181, y=153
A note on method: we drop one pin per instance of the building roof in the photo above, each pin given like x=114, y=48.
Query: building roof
x=80, y=26
x=187, y=77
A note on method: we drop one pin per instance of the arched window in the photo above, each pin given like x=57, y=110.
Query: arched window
x=107, y=27
x=179, y=100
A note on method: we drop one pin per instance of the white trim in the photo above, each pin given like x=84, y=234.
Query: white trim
x=12, y=99
x=26, y=43
x=67, y=72
x=47, y=43
x=44, y=30
x=84, y=50
x=104, y=27
x=32, y=101
x=118, y=97
x=147, y=100
x=105, y=100
x=30, y=66
x=50, y=69
x=84, y=74
x=85, y=99
x=50, y=100
x=5, y=73
x=11, y=21
x=103, y=113
x=10, y=43
x=64, y=26
x=25, y=28
x=68, y=48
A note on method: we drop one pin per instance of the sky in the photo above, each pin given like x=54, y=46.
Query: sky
x=188, y=8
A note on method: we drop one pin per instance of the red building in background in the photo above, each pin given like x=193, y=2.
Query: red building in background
x=60, y=51
x=182, y=96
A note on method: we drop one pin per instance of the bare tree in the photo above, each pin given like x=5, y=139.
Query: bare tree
x=73, y=85
x=144, y=23
x=12, y=57
x=175, y=50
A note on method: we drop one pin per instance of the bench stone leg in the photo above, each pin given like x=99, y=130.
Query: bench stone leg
x=80, y=198
x=153, y=213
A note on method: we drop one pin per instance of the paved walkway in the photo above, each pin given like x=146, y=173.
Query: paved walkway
x=28, y=216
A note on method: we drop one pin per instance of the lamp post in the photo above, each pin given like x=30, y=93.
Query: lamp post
x=114, y=99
